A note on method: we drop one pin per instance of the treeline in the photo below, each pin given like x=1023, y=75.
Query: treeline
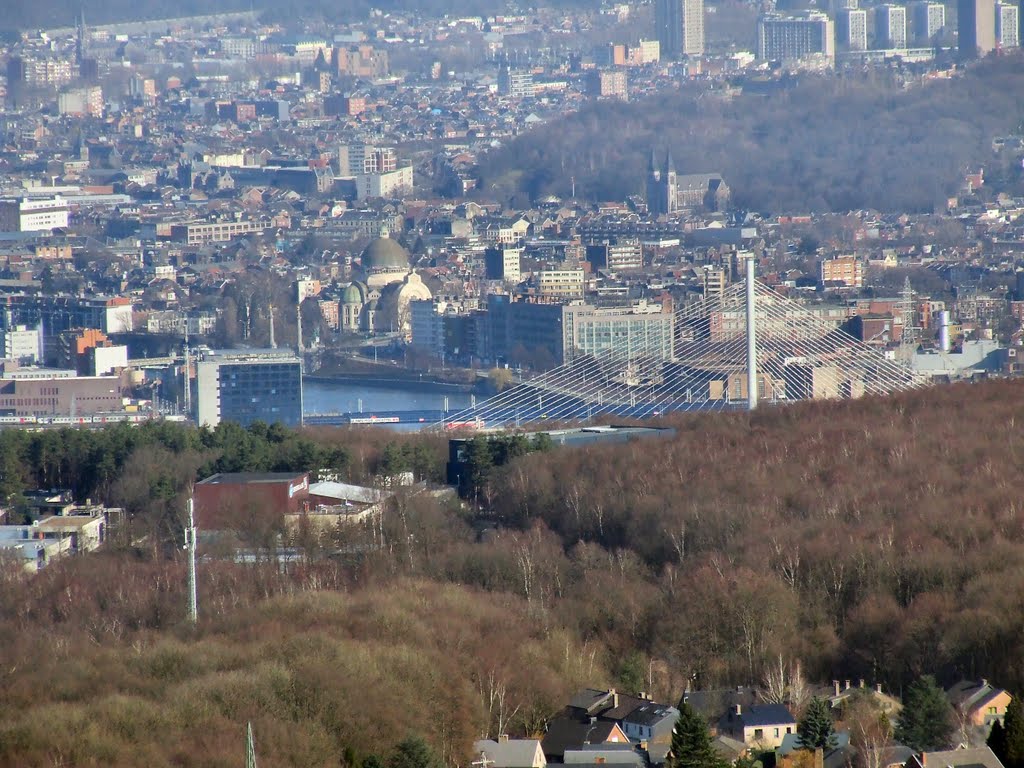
x=149, y=469
x=880, y=539
x=327, y=678
x=812, y=143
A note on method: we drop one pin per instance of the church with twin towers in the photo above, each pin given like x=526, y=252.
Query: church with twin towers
x=667, y=192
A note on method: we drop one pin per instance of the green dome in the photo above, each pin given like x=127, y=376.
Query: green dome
x=385, y=254
x=352, y=295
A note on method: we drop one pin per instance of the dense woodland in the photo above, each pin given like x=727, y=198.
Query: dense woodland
x=813, y=143
x=880, y=538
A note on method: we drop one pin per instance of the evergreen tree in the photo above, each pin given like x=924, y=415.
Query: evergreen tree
x=691, y=742
x=1012, y=755
x=817, y=729
x=997, y=740
x=413, y=752
x=926, y=722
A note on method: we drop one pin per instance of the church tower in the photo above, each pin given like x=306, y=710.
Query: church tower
x=668, y=181
x=661, y=186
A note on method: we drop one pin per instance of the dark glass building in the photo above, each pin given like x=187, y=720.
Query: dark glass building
x=249, y=386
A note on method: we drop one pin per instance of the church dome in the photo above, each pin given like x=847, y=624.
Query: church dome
x=352, y=295
x=384, y=253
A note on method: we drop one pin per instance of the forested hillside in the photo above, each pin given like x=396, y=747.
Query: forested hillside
x=861, y=140
x=880, y=538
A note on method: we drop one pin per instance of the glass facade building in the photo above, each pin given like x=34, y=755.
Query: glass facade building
x=249, y=387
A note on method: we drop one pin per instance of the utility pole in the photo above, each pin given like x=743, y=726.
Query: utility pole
x=188, y=375
x=250, y=747
x=908, y=337
x=190, y=545
x=751, y=338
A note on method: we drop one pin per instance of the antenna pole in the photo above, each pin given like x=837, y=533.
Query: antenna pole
x=250, y=747
x=190, y=544
x=751, y=338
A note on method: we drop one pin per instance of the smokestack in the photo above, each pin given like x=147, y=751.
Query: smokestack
x=944, y=330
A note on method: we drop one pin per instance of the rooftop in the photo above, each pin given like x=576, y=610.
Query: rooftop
x=249, y=478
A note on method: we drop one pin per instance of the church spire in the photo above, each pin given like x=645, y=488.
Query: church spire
x=670, y=167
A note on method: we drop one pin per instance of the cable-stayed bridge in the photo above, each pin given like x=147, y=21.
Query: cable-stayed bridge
x=747, y=345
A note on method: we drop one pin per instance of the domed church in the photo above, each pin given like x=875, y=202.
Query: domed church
x=379, y=301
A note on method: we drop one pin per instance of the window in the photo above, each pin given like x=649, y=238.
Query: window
x=992, y=710
x=758, y=734
x=776, y=733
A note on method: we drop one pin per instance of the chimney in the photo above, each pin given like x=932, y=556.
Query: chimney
x=615, y=700
x=835, y=684
x=503, y=738
x=739, y=689
x=984, y=682
x=847, y=685
x=739, y=710
x=862, y=682
x=878, y=688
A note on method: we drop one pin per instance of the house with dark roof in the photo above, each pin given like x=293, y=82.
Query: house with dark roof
x=978, y=702
x=566, y=734
x=761, y=725
x=714, y=705
x=979, y=757
x=510, y=753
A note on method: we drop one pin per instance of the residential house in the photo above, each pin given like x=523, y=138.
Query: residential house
x=713, y=705
x=839, y=693
x=761, y=725
x=645, y=723
x=566, y=734
x=978, y=703
x=510, y=753
x=605, y=755
x=979, y=757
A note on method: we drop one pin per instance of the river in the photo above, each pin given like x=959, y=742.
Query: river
x=337, y=397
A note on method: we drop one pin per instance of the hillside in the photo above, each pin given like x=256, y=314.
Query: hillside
x=815, y=144
x=878, y=539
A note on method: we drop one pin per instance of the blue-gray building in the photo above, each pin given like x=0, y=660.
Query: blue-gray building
x=249, y=385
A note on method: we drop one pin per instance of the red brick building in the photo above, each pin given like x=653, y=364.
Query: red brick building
x=229, y=500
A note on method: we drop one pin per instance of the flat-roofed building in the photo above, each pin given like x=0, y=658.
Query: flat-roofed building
x=249, y=386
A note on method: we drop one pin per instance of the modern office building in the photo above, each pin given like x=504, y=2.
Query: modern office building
x=249, y=385
x=623, y=255
x=976, y=33
x=515, y=83
x=55, y=314
x=891, y=26
x=524, y=326
x=22, y=344
x=927, y=21
x=502, y=262
x=1007, y=25
x=28, y=214
x=680, y=27
x=852, y=29
x=641, y=331
x=608, y=83
x=794, y=38
x=561, y=284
